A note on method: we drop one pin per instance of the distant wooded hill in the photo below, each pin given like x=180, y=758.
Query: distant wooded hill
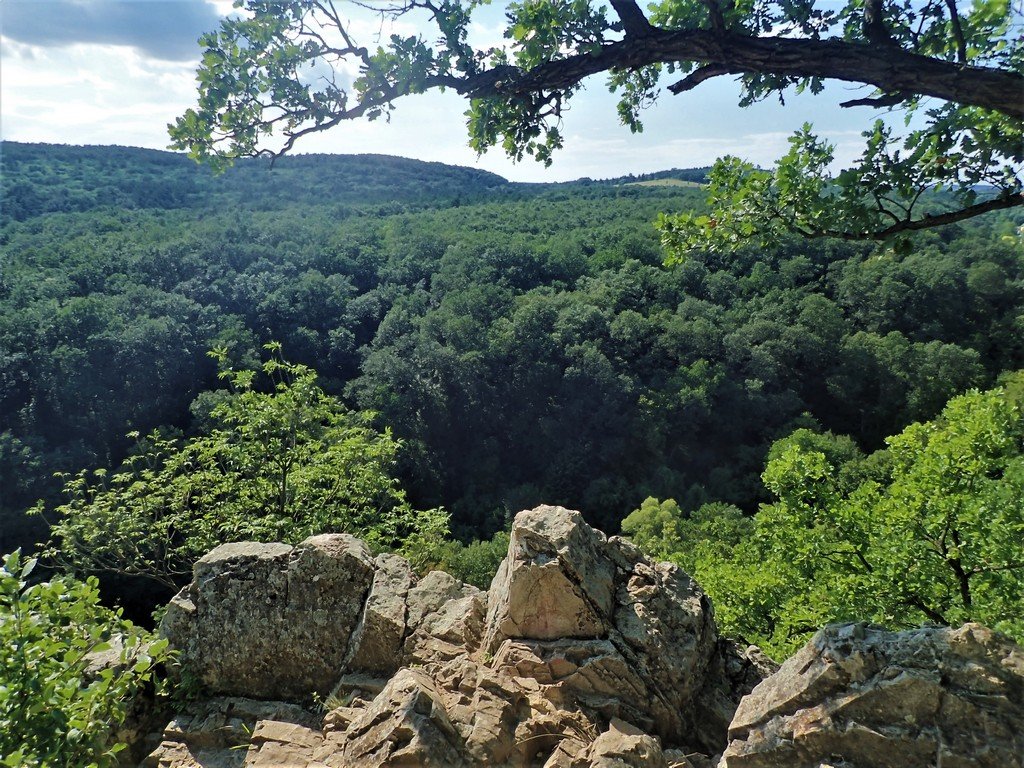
x=46, y=178
x=525, y=341
x=49, y=178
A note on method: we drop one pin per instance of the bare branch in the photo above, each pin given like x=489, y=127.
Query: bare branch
x=885, y=100
x=931, y=613
x=927, y=221
x=698, y=76
x=874, y=23
x=715, y=14
x=958, y=32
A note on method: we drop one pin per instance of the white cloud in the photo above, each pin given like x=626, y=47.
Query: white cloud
x=165, y=29
x=102, y=94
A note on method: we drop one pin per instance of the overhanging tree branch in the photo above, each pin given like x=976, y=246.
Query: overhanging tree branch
x=928, y=221
x=252, y=86
x=890, y=69
x=634, y=23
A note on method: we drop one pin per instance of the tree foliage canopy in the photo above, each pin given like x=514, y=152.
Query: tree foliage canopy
x=928, y=530
x=275, y=466
x=281, y=66
x=529, y=315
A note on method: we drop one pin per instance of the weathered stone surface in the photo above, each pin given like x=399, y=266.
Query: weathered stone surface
x=376, y=644
x=860, y=696
x=445, y=619
x=557, y=580
x=219, y=733
x=406, y=725
x=276, y=744
x=582, y=653
x=620, y=636
x=622, y=746
x=664, y=629
x=269, y=620
x=734, y=672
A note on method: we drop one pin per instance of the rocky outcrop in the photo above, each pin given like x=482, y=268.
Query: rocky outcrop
x=271, y=621
x=861, y=696
x=578, y=632
x=583, y=653
x=232, y=732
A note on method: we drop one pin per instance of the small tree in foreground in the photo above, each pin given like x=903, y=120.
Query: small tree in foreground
x=275, y=466
x=55, y=712
x=930, y=530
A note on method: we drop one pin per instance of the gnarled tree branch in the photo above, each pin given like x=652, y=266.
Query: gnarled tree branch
x=700, y=75
x=885, y=100
x=891, y=70
x=634, y=23
x=928, y=221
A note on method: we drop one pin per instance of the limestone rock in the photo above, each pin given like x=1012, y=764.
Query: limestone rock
x=860, y=696
x=583, y=653
x=556, y=581
x=665, y=631
x=621, y=636
x=406, y=725
x=276, y=744
x=444, y=619
x=376, y=645
x=734, y=672
x=623, y=746
x=220, y=733
x=269, y=620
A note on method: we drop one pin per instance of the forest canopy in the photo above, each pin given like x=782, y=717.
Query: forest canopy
x=926, y=530
x=279, y=463
x=524, y=342
x=957, y=73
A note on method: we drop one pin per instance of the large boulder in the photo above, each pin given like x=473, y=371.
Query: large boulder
x=376, y=643
x=406, y=724
x=556, y=582
x=625, y=637
x=861, y=696
x=271, y=621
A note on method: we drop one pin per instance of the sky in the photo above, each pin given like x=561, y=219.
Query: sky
x=118, y=71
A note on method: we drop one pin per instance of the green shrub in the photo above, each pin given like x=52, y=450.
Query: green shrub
x=56, y=710
x=931, y=530
x=277, y=465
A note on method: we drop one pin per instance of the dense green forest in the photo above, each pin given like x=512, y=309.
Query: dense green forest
x=525, y=342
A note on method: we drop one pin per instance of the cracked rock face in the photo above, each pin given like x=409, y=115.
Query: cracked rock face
x=860, y=696
x=577, y=632
x=625, y=637
x=582, y=654
x=271, y=621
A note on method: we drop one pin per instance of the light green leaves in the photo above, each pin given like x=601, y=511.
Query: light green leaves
x=56, y=709
x=256, y=80
x=889, y=193
x=932, y=533
x=278, y=465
